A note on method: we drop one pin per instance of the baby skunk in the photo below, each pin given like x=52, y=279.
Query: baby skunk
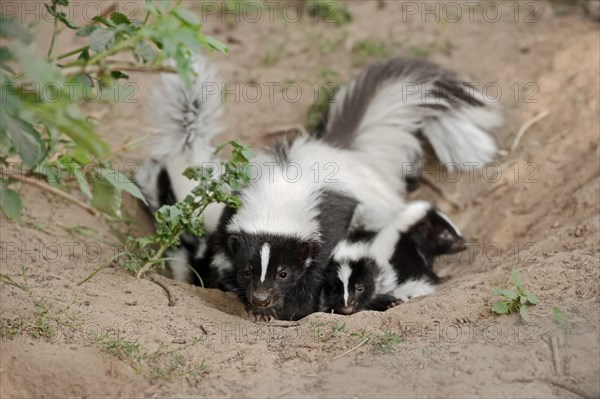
x=375, y=271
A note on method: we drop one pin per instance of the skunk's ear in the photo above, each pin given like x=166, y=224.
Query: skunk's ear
x=233, y=242
x=437, y=235
x=307, y=251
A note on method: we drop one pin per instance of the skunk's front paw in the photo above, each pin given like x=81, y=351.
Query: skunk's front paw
x=395, y=303
x=258, y=314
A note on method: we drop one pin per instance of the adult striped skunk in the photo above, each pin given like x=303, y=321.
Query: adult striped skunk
x=273, y=251
x=376, y=270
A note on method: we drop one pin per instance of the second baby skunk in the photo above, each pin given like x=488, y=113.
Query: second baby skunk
x=376, y=270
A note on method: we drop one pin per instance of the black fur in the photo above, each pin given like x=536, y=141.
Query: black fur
x=413, y=259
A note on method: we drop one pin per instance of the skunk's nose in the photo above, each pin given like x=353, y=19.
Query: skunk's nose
x=457, y=246
x=347, y=309
x=261, y=298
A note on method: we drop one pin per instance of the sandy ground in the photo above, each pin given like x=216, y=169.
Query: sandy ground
x=119, y=336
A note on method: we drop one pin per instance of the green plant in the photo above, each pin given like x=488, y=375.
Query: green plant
x=317, y=328
x=329, y=11
x=560, y=317
x=146, y=253
x=386, y=343
x=428, y=49
x=515, y=301
x=39, y=326
x=46, y=139
x=380, y=344
x=162, y=363
x=339, y=328
x=368, y=50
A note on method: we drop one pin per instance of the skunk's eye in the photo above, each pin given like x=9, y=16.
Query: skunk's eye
x=247, y=272
x=359, y=288
x=283, y=275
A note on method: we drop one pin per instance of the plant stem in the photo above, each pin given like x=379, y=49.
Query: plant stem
x=53, y=37
x=70, y=53
x=55, y=191
x=120, y=66
x=100, y=56
x=174, y=236
x=158, y=255
x=126, y=146
x=115, y=49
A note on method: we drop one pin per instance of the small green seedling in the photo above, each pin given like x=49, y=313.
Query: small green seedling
x=560, y=317
x=329, y=11
x=518, y=301
x=339, y=328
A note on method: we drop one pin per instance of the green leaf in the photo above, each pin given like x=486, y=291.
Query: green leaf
x=119, y=75
x=5, y=55
x=524, y=312
x=122, y=182
x=516, y=279
x=220, y=147
x=82, y=182
x=84, y=55
x=11, y=204
x=144, y=52
x=63, y=3
x=523, y=299
x=101, y=40
x=11, y=29
x=504, y=292
x=502, y=307
x=216, y=44
x=187, y=17
x=26, y=140
x=6, y=279
x=119, y=18
x=102, y=20
x=532, y=298
x=36, y=69
x=63, y=18
x=87, y=30
x=248, y=153
x=106, y=197
x=561, y=317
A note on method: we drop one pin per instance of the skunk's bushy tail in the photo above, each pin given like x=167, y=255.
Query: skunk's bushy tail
x=184, y=121
x=382, y=111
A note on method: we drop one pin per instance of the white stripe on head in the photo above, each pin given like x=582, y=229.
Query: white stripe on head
x=265, y=253
x=344, y=272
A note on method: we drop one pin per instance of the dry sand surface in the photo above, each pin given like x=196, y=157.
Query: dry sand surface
x=118, y=336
